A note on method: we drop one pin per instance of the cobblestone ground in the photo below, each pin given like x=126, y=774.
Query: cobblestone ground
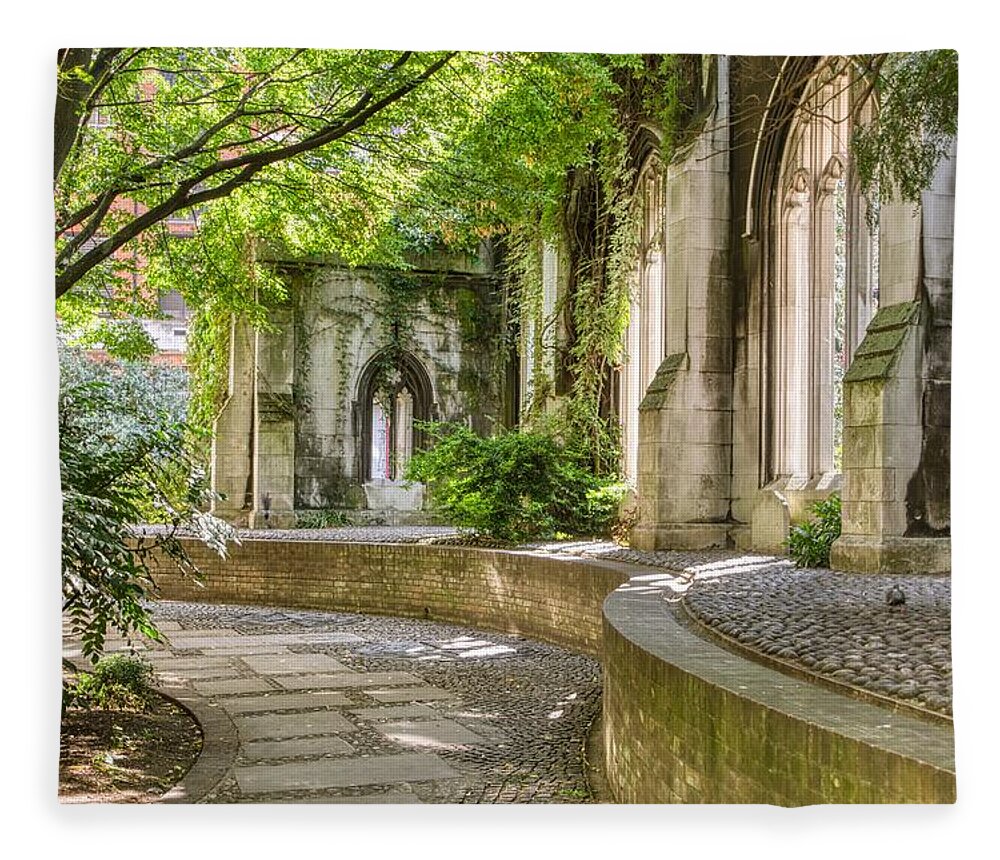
x=841, y=626
x=412, y=711
x=838, y=626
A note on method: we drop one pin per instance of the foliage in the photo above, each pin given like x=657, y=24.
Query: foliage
x=809, y=543
x=207, y=356
x=913, y=126
x=124, y=459
x=118, y=682
x=320, y=519
x=514, y=486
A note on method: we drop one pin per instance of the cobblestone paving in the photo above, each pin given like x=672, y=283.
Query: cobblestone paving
x=337, y=707
x=841, y=626
x=835, y=625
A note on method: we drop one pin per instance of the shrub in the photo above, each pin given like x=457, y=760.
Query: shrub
x=117, y=683
x=320, y=518
x=125, y=459
x=809, y=543
x=514, y=486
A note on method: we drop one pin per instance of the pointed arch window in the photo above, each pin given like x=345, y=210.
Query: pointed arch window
x=393, y=398
x=644, y=337
x=826, y=288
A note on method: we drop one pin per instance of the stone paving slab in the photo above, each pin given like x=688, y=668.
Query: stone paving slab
x=377, y=797
x=240, y=650
x=410, y=694
x=206, y=674
x=293, y=725
x=285, y=702
x=398, y=712
x=294, y=664
x=430, y=733
x=354, y=679
x=239, y=643
x=313, y=747
x=184, y=635
x=277, y=702
x=206, y=643
x=236, y=686
x=168, y=660
x=327, y=773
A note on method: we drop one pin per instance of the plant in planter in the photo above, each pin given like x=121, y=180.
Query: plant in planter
x=809, y=542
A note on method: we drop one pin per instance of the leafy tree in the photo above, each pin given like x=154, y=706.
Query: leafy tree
x=915, y=122
x=124, y=459
x=191, y=126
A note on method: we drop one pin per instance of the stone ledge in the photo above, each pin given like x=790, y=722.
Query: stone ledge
x=880, y=554
x=680, y=536
x=689, y=722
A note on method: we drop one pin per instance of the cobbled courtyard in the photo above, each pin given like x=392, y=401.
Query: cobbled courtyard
x=337, y=706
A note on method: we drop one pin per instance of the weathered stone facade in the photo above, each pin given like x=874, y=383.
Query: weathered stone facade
x=784, y=344
x=296, y=432
x=803, y=347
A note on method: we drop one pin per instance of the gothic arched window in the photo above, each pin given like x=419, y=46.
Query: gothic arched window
x=393, y=397
x=826, y=285
x=643, y=347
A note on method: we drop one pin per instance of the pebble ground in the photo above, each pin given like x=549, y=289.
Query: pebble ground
x=527, y=707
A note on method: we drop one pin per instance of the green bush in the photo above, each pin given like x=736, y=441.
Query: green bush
x=117, y=683
x=809, y=543
x=514, y=486
x=320, y=519
x=124, y=459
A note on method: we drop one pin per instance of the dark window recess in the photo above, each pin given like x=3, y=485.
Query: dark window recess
x=172, y=304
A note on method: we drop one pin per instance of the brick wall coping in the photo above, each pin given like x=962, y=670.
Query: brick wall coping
x=646, y=622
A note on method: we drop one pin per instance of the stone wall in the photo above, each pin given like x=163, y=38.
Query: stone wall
x=295, y=429
x=553, y=599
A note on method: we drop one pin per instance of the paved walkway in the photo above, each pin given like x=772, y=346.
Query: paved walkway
x=334, y=707
x=834, y=626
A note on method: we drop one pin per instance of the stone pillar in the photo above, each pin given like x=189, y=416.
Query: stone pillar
x=685, y=418
x=897, y=399
x=232, y=457
x=274, y=427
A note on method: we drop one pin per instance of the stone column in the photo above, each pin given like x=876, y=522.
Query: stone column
x=274, y=427
x=685, y=418
x=231, y=459
x=897, y=399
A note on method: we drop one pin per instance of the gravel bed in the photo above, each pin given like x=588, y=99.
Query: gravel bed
x=840, y=626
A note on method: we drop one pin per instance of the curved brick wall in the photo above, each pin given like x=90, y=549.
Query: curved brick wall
x=684, y=720
x=554, y=599
x=688, y=722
